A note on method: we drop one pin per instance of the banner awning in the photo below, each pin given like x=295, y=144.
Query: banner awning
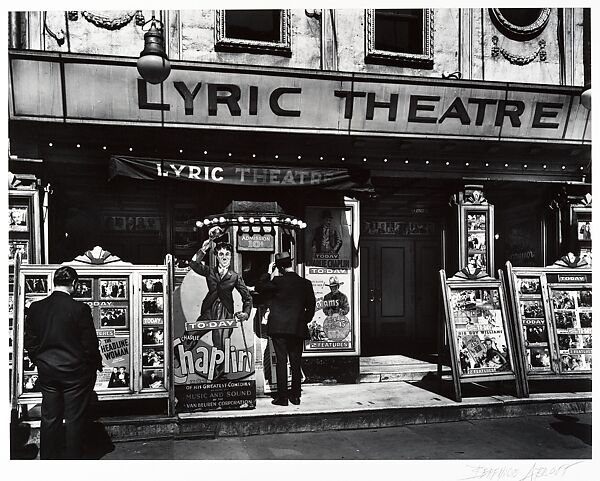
x=240, y=174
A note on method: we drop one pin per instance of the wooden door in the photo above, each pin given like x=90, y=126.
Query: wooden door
x=387, y=296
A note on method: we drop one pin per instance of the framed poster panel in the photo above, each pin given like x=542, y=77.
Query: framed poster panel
x=21, y=247
x=133, y=341
x=479, y=331
x=476, y=227
x=552, y=307
x=572, y=315
x=18, y=218
x=24, y=225
x=330, y=265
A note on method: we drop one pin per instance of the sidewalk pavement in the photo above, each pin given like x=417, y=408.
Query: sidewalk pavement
x=349, y=406
x=342, y=407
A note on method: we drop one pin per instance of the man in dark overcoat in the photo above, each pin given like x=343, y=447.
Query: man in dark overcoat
x=292, y=306
x=60, y=339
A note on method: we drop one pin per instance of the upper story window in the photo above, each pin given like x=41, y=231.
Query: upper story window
x=259, y=31
x=400, y=36
x=520, y=23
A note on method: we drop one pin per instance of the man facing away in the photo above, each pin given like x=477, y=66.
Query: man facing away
x=292, y=307
x=61, y=341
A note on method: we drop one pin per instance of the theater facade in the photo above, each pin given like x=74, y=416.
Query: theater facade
x=375, y=171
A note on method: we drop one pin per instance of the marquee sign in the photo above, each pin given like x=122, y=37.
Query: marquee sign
x=78, y=88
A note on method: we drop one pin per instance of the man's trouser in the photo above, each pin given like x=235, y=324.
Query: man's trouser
x=286, y=345
x=68, y=400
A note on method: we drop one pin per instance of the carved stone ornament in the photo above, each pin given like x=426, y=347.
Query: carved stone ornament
x=98, y=256
x=108, y=22
x=519, y=59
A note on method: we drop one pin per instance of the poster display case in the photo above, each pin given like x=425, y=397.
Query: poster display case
x=331, y=266
x=24, y=238
x=132, y=315
x=475, y=230
x=552, y=307
x=479, y=330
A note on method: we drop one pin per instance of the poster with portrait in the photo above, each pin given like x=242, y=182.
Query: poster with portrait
x=584, y=230
x=115, y=352
x=332, y=327
x=480, y=329
x=213, y=362
x=18, y=246
x=328, y=237
x=329, y=243
x=18, y=218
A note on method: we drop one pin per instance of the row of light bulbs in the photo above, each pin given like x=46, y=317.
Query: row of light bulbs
x=385, y=160
x=284, y=221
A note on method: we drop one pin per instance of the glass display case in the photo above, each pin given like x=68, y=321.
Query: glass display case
x=475, y=230
x=24, y=238
x=552, y=307
x=131, y=311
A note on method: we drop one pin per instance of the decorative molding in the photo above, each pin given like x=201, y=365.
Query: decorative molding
x=571, y=261
x=283, y=47
x=424, y=60
x=106, y=22
x=519, y=59
x=519, y=32
x=585, y=201
x=472, y=195
x=97, y=256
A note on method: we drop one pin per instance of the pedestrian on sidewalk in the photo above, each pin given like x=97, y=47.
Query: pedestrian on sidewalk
x=60, y=339
x=291, y=302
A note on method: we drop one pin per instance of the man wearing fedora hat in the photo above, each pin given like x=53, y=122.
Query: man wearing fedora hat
x=291, y=302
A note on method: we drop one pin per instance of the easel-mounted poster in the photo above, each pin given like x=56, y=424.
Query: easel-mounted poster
x=479, y=331
x=553, y=311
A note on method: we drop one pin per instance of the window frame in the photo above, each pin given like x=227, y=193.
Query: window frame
x=424, y=60
x=224, y=43
x=517, y=32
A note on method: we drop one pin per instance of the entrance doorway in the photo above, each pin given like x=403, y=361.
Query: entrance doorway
x=399, y=295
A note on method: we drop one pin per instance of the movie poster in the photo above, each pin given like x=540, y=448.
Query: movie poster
x=115, y=351
x=572, y=309
x=328, y=237
x=332, y=325
x=480, y=334
x=329, y=266
x=533, y=321
x=213, y=361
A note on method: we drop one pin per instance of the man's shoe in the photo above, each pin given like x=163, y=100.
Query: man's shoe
x=279, y=402
x=295, y=400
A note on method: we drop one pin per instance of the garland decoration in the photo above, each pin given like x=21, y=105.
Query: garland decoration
x=108, y=23
x=519, y=59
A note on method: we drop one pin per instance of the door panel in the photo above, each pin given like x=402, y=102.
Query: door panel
x=387, y=295
x=393, y=285
x=427, y=294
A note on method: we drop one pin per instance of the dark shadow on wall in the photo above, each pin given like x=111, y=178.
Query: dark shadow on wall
x=570, y=426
